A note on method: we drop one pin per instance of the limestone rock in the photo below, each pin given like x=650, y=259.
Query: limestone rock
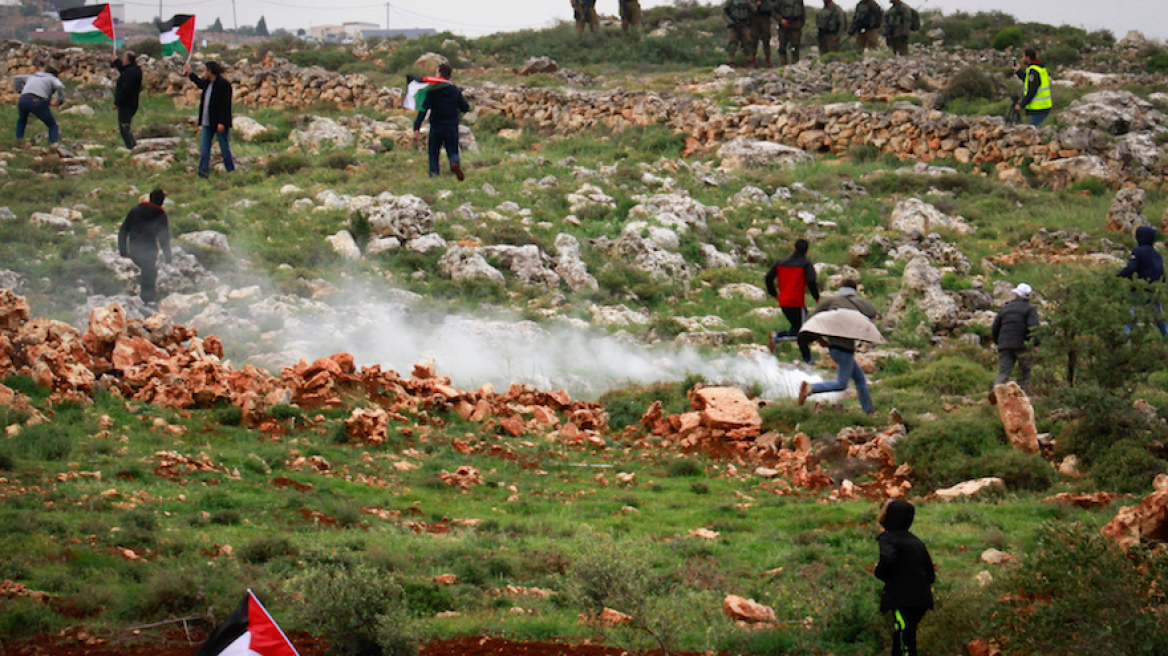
x=749, y=195
x=725, y=408
x=405, y=217
x=529, y=264
x=320, y=131
x=538, y=65
x=51, y=221
x=747, y=610
x=589, y=196
x=207, y=239
x=1062, y=173
x=461, y=262
x=969, y=488
x=747, y=154
x=915, y=215
x=1146, y=521
x=84, y=111
x=618, y=315
x=1126, y=211
x=742, y=290
x=571, y=267
x=1017, y=417
x=429, y=62
x=426, y=243
x=247, y=128
x=1116, y=112
x=344, y=244
x=994, y=557
x=106, y=324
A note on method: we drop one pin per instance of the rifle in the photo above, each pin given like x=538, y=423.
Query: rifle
x=1013, y=116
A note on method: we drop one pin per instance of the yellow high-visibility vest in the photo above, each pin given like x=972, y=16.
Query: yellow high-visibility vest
x=1043, y=99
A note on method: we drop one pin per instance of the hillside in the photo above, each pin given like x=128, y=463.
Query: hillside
x=405, y=410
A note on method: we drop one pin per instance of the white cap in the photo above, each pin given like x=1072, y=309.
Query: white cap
x=1023, y=291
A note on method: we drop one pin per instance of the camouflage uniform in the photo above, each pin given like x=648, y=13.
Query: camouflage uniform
x=585, y=14
x=738, y=14
x=792, y=13
x=898, y=26
x=832, y=23
x=866, y=25
x=760, y=29
x=630, y=13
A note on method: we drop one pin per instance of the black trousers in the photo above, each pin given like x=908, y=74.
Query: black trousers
x=125, y=118
x=443, y=136
x=149, y=277
x=904, y=630
x=796, y=315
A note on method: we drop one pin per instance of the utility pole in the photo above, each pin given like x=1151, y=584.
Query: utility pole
x=159, y=11
x=234, y=18
x=387, y=17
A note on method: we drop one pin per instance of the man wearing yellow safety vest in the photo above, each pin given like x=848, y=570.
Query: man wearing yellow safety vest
x=1038, y=100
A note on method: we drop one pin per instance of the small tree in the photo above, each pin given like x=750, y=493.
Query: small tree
x=217, y=26
x=262, y=27
x=359, y=610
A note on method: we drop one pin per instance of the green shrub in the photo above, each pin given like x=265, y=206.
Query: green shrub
x=685, y=468
x=173, y=592
x=1011, y=37
x=357, y=610
x=1020, y=471
x=1127, y=467
x=266, y=549
x=950, y=450
x=339, y=160
x=1157, y=63
x=25, y=618
x=492, y=123
x=948, y=375
x=230, y=416
x=286, y=164
x=625, y=406
x=1061, y=55
x=1096, y=186
x=971, y=83
x=863, y=153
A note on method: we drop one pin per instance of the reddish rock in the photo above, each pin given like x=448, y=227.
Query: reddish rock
x=610, y=617
x=108, y=323
x=725, y=408
x=464, y=477
x=981, y=648
x=969, y=488
x=424, y=370
x=13, y=310
x=368, y=425
x=513, y=425
x=1093, y=500
x=446, y=579
x=746, y=610
x=1017, y=417
x=1146, y=521
x=132, y=351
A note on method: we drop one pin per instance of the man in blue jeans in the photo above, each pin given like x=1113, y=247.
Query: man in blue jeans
x=445, y=105
x=843, y=350
x=39, y=92
x=214, y=115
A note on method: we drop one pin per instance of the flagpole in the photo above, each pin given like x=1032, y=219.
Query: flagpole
x=194, y=35
x=114, y=29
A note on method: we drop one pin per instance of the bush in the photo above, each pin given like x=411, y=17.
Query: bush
x=1011, y=37
x=948, y=375
x=171, y=592
x=357, y=609
x=339, y=160
x=971, y=83
x=1157, y=63
x=286, y=163
x=266, y=549
x=1095, y=186
x=948, y=451
x=492, y=123
x=1127, y=467
x=685, y=469
x=625, y=406
x=1061, y=55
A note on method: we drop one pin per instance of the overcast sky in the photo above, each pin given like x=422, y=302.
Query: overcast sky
x=477, y=17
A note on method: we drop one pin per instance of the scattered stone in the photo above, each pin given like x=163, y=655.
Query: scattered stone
x=538, y=65
x=747, y=155
x=1146, y=521
x=461, y=262
x=994, y=557
x=322, y=131
x=247, y=128
x=725, y=408
x=1017, y=417
x=742, y=290
x=344, y=244
x=969, y=488
x=747, y=610
x=207, y=239
x=1126, y=211
x=571, y=267
x=915, y=215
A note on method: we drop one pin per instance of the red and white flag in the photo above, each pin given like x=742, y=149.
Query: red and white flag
x=248, y=631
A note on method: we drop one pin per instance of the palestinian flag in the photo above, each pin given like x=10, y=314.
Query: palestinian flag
x=417, y=88
x=177, y=35
x=89, y=24
x=249, y=631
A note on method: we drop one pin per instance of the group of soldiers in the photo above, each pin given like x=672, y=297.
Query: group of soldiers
x=751, y=21
x=586, y=18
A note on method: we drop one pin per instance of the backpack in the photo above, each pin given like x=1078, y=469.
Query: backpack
x=915, y=25
x=877, y=16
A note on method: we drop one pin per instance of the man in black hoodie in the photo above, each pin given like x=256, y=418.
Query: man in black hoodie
x=1013, y=332
x=126, y=94
x=142, y=233
x=214, y=116
x=1147, y=265
x=445, y=104
x=908, y=575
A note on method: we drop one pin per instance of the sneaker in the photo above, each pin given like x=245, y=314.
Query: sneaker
x=457, y=171
x=771, y=341
x=804, y=392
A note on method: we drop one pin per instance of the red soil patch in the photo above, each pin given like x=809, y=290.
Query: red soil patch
x=486, y=646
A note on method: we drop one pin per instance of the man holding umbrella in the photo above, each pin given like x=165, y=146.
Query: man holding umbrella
x=851, y=320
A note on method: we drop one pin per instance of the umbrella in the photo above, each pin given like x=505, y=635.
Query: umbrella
x=845, y=323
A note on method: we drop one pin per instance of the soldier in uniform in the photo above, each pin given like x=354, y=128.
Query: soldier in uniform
x=792, y=17
x=630, y=13
x=898, y=26
x=760, y=30
x=738, y=14
x=832, y=23
x=585, y=14
x=866, y=25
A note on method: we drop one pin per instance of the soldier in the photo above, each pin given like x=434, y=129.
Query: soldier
x=832, y=22
x=630, y=13
x=585, y=14
x=792, y=17
x=738, y=14
x=866, y=25
x=897, y=26
x=760, y=30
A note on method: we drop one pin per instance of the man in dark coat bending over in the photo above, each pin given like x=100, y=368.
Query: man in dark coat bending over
x=445, y=104
x=144, y=231
x=908, y=575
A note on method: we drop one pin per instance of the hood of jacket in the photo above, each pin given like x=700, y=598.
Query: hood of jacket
x=899, y=516
x=1145, y=235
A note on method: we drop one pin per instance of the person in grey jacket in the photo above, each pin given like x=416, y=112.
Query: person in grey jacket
x=1013, y=332
x=39, y=93
x=843, y=350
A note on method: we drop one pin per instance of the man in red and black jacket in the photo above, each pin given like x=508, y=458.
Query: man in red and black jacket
x=788, y=282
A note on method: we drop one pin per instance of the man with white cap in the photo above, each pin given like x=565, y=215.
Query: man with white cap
x=1013, y=332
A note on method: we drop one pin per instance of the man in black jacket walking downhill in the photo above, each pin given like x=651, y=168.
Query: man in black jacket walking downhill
x=1013, y=332
x=446, y=105
x=214, y=116
x=908, y=575
x=1147, y=265
x=126, y=94
x=145, y=229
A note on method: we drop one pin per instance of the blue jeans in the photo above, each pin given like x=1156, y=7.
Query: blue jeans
x=1036, y=118
x=847, y=369
x=38, y=107
x=443, y=136
x=205, y=151
x=1160, y=323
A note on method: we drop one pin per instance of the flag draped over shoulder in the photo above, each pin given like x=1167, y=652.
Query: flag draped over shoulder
x=416, y=90
x=89, y=24
x=248, y=631
x=177, y=35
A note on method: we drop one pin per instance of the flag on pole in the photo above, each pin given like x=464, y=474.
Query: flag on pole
x=177, y=35
x=88, y=24
x=417, y=89
x=248, y=631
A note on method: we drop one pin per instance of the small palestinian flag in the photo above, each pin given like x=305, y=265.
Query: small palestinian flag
x=177, y=35
x=417, y=88
x=249, y=631
x=89, y=24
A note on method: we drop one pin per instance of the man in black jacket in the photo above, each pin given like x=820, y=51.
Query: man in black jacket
x=214, y=115
x=1147, y=265
x=795, y=277
x=126, y=94
x=908, y=575
x=1013, y=332
x=145, y=229
x=446, y=105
